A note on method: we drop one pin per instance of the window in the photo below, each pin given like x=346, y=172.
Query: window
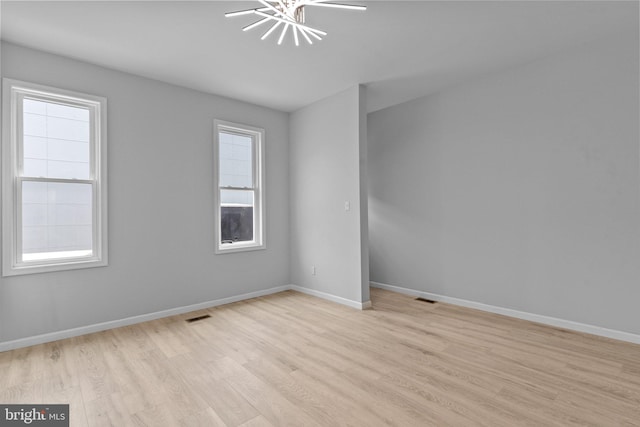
x=239, y=183
x=53, y=179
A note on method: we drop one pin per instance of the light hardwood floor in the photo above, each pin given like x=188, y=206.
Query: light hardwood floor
x=292, y=359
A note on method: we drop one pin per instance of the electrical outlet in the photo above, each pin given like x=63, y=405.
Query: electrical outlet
x=313, y=270
x=347, y=206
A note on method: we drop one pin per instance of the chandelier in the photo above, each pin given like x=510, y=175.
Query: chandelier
x=287, y=14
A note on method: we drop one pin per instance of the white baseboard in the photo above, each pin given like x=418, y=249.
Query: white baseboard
x=561, y=323
x=333, y=298
x=552, y=321
x=83, y=330
x=68, y=333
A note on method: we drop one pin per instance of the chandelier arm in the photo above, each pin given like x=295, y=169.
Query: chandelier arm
x=311, y=30
x=338, y=5
x=244, y=12
x=304, y=33
x=284, y=31
x=295, y=35
x=276, y=25
x=255, y=24
x=314, y=31
x=314, y=35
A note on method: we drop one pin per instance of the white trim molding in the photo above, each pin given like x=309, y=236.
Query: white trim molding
x=546, y=320
x=83, y=330
x=330, y=297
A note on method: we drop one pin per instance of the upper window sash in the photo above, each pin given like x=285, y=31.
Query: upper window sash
x=254, y=136
x=92, y=105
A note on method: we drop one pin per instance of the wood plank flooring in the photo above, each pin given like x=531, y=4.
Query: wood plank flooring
x=294, y=360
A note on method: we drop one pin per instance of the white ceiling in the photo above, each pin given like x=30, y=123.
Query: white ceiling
x=401, y=50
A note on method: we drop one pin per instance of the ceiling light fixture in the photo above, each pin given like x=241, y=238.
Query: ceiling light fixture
x=292, y=14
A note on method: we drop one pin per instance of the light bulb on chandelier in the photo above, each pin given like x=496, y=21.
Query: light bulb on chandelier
x=291, y=13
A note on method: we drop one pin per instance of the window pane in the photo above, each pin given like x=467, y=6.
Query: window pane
x=35, y=147
x=236, y=216
x=236, y=163
x=34, y=124
x=78, y=170
x=35, y=167
x=56, y=140
x=67, y=129
x=67, y=112
x=71, y=151
x=57, y=220
x=34, y=106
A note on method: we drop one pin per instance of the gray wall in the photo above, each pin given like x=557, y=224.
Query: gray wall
x=325, y=172
x=161, y=248
x=519, y=190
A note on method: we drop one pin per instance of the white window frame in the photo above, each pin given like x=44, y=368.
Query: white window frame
x=14, y=91
x=258, y=139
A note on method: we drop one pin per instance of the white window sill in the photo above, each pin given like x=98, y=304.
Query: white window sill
x=53, y=265
x=227, y=248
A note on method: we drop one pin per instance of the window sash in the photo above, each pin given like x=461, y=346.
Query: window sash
x=19, y=229
x=254, y=165
x=94, y=136
x=255, y=206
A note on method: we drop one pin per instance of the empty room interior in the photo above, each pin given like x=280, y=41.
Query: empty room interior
x=320, y=213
